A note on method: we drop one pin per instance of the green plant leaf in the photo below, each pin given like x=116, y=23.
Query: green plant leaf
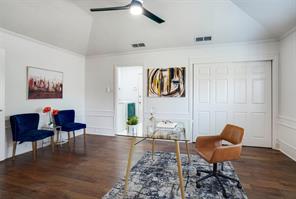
x=132, y=120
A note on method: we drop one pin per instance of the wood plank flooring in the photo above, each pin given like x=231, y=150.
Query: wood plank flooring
x=88, y=173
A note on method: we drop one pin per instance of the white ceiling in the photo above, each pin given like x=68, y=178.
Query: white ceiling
x=70, y=25
x=277, y=16
x=58, y=22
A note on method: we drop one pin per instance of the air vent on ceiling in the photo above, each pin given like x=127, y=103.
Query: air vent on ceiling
x=201, y=39
x=138, y=45
x=208, y=38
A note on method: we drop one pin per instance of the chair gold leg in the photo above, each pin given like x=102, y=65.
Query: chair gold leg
x=74, y=136
x=180, y=169
x=130, y=155
x=33, y=150
x=34, y=147
x=187, y=150
x=153, y=148
x=14, y=150
x=52, y=143
x=36, y=150
x=69, y=139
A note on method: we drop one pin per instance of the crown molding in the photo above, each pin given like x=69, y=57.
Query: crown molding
x=291, y=31
x=193, y=47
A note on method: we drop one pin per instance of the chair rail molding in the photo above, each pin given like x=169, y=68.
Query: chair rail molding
x=287, y=118
x=100, y=122
x=102, y=113
x=287, y=135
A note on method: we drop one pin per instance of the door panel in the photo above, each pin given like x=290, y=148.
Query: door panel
x=221, y=118
x=240, y=91
x=237, y=93
x=204, y=122
x=221, y=91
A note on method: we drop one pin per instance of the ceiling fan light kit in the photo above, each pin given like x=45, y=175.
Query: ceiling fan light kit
x=135, y=7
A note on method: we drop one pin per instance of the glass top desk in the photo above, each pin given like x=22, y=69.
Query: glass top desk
x=176, y=134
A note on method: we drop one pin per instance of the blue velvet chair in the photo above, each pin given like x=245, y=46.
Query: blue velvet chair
x=66, y=120
x=25, y=129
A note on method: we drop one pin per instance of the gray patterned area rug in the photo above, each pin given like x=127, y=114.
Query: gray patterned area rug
x=158, y=179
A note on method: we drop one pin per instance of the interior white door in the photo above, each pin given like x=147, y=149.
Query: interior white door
x=237, y=93
x=2, y=117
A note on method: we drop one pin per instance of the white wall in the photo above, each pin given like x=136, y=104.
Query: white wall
x=22, y=52
x=2, y=91
x=100, y=74
x=287, y=96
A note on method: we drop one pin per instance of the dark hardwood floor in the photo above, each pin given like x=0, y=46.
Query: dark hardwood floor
x=88, y=173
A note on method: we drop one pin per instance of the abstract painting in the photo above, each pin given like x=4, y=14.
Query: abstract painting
x=166, y=82
x=44, y=84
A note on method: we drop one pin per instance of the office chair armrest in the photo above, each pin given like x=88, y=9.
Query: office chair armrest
x=226, y=153
x=208, y=141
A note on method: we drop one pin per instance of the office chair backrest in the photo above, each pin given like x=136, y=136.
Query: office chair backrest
x=232, y=134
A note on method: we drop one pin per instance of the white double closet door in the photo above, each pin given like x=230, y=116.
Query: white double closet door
x=237, y=93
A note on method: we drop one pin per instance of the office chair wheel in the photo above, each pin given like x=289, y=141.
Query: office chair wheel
x=225, y=194
x=198, y=185
x=239, y=185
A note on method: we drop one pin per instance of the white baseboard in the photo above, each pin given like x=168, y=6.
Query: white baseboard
x=100, y=131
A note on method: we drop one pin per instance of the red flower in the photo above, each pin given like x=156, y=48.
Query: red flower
x=46, y=109
x=55, y=112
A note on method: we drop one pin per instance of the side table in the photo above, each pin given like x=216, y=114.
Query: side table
x=56, y=130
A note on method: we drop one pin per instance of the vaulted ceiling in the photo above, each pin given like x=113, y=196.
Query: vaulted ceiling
x=69, y=24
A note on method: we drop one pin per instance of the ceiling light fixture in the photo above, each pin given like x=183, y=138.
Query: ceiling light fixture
x=136, y=7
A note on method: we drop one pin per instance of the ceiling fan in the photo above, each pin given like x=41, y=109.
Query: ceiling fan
x=135, y=7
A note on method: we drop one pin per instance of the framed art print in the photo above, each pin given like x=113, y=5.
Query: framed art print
x=44, y=84
x=166, y=82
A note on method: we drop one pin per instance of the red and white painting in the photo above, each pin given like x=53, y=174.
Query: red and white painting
x=44, y=84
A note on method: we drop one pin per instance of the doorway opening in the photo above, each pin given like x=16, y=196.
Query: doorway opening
x=129, y=95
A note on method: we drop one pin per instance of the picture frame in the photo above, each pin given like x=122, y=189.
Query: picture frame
x=44, y=83
x=166, y=82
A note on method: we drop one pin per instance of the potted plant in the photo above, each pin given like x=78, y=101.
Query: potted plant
x=132, y=124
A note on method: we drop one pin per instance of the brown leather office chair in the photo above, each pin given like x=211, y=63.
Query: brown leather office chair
x=211, y=149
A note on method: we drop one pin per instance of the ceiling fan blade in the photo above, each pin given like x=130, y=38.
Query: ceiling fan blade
x=152, y=16
x=110, y=8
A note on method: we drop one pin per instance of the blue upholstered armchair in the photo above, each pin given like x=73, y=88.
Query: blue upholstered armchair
x=66, y=120
x=25, y=129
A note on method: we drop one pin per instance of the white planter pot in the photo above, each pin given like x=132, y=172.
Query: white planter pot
x=132, y=129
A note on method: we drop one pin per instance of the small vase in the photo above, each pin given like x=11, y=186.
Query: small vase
x=132, y=129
